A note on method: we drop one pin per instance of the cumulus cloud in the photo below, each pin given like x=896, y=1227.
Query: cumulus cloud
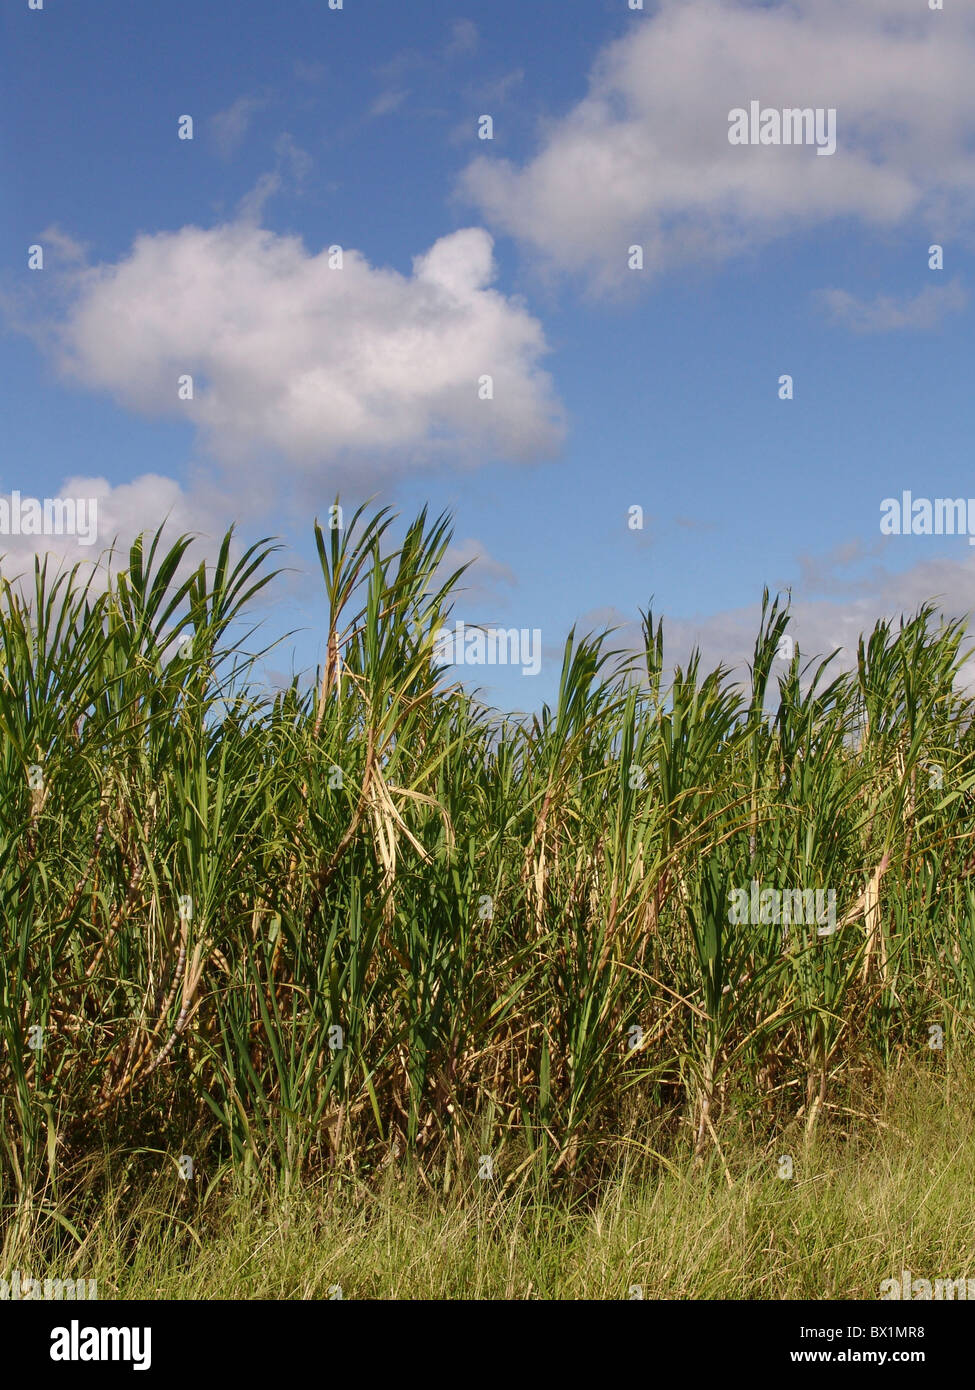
x=887, y=313
x=107, y=517
x=359, y=369
x=124, y=511
x=644, y=158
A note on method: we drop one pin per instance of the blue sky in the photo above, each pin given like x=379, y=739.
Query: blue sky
x=613, y=388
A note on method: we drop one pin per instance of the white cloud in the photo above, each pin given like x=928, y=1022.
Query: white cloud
x=148, y=504
x=121, y=512
x=644, y=158
x=887, y=313
x=362, y=370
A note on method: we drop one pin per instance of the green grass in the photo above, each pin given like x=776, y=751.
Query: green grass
x=862, y=1206
x=327, y=934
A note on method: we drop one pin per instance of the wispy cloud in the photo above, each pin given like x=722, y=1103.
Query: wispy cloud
x=387, y=102
x=464, y=38
x=292, y=166
x=228, y=128
x=837, y=597
x=888, y=313
x=310, y=72
x=68, y=251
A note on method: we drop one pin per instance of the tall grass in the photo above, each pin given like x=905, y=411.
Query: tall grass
x=327, y=928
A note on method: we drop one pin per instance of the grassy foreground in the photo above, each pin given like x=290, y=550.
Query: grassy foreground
x=320, y=938
x=863, y=1205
